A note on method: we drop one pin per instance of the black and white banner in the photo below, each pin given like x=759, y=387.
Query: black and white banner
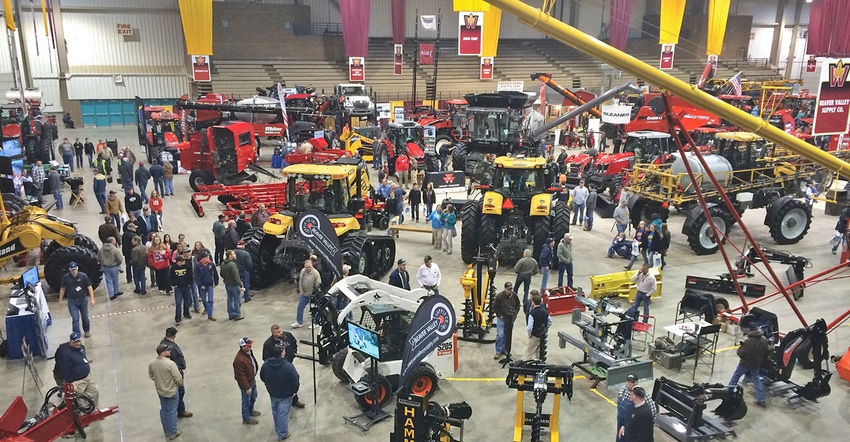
x=316, y=230
x=451, y=179
x=433, y=323
x=616, y=113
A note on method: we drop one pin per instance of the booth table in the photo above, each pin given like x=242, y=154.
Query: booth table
x=29, y=324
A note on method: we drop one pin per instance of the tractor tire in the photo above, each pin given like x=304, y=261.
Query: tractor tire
x=357, y=253
x=441, y=141
x=723, y=302
x=459, y=158
x=384, y=392
x=57, y=266
x=470, y=216
x=700, y=238
x=791, y=223
x=154, y=153
x=336, y=365
x=805, y=356
x=488, y=232
x=422, y=382
x=79, y=240
x=48, y=130
x=45, y=150
x=31, y=150
x=383, y=250
x=262, y=248
x=560, y=221
x=540, y=231
x=200, y=178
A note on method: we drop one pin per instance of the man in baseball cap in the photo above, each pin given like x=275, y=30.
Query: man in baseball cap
x=245, y=372
x=76, y=286
x=626, y=405
x=177, y=356
x=400, y=277
x=245, y=265
x=72, y=366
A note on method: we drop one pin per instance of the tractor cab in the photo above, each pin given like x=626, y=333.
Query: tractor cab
x=516, y=181
x=647, y=145
x=392, y=323
x=409, y=136
x=164, y=129
x=743, y=150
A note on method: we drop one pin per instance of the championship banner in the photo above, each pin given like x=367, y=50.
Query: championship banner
x=314, y=228
x=811, y=64
x=356, y=70
x=398, y=50
x=469, y=37
x=426, y=53
x=486, y=68
x=452, y=179
x=832, y=112
x=667, y=57
x=201, y=68
x=433, y=323
x=616, y=113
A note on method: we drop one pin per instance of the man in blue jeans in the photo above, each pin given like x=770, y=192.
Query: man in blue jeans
x=167, y=380
x=245, y=372
x=565, y=260
x=76, y=286
x=139, y=260
x=309, y=282
x=232, y=285
x=206, y=278
x=282, y=382
x=55, y=182
x=753, y=353
x=579, y=195
x=645, y=288
x=506, y=307
x=545, y=261
x=110, y=261
x=245, y=265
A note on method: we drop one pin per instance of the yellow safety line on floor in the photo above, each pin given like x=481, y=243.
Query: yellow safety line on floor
x=603, y=397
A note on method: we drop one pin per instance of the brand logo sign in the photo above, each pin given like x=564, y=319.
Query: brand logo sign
x=470, y=33
x=832, y=112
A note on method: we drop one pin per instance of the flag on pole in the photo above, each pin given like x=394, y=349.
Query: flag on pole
x=735, y=81
x=429, y=22
x=280, y=96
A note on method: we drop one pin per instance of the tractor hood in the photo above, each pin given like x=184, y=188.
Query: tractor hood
x=279, y=223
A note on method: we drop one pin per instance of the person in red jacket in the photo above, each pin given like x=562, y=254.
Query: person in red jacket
x=155, y=203
x=245, y=372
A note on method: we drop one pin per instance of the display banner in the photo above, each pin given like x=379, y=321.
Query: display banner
x=433, y=323
x=452, y=179
x=398, y=51
x=833, y=105
x=469, y=37
x=318, y=232
x=718, y=13
x=672, y=13
x=616, y=113
x=409, y=419
x=667, y=56
x=486, y=68
x=510, y=86
x=201, y=68
x=356, y=69
x=811, y=64
x=426, y=53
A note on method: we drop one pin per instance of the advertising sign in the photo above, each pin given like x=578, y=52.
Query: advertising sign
x=510, y=86
x=616, y=113
x=201, y=68
x=469, y=37
x=486, y=68
x=667, y=56
x=426, y=53
x=398, y=50
x=318, y=232
x=833, y=105
x=446, y=180
x=383, y=111
x=811, y=64
x=433, y=323
x=356, y=69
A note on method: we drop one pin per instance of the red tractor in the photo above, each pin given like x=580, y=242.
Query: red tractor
x=33, y=133
x=450, y=123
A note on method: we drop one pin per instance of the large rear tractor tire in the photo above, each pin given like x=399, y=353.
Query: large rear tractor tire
x=459, y=158
x=422, y=382
x=79, y=240
x=382, y=395
x=384, y=251
x=31, y=150
x=57, y=265
x=488, y=232
x=357, y=253
x=470, y=216
x=262, y=248
x=540, y=232
x=700, y=236
x=200, y=178
x=791, y=221
x=560, y=221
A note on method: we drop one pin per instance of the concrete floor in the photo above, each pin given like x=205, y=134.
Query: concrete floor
x=125, y=333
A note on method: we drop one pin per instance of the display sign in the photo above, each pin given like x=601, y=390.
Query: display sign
x=398, y=113
x=201, y=68
x=616, y=113
x=667, y=56
x=398, y=51
x=409, y=419
x=446, y=180
x=469, y=37
x=356, y=70
x=318, y=232
x=832, y=112
x=433, y=323
x=430, y=136
x=125, y=29
x=811, y=64
x=486, y=68
x=384, y=110
x=426, y=53
x=510, y=86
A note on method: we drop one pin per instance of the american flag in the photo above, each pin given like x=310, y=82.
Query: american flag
x=735, y=81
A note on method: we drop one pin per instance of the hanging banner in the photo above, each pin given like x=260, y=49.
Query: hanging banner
x=672, y=13
x=201, y=68
x=398, y=50
x=469, y=38
x=356, y=70
x=426, y=53
x=471, y=5
x=429, y=22
x=433, y=323
x=832, y=113
x=318, y=232
x=616, y=113
x=718, y=13
x=486, y=68
x=618, y=26
x=354, y=15
x=490, y=35
x=666, y=57
x=197, y=17
x=811, y=64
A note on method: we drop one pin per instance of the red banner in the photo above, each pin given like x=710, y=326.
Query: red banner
x=811, y=64
x=398, y=50
x=356, y=69
x=469, y=37
x=201, y=68
x=667, y=57
x=486, y=68
x=832, y=113
x=426, y=53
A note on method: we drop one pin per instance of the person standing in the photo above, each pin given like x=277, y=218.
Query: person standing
x=309, y=283
x=260, y=216
x=399, y=277
x=78, y=149
x=283, y=338
x=246, y=265
x=182, y=279
x=506, y=307
x=665, y=244
x=545, y=261
x=74, y=367
x=449, y=220
x=636, y=244
x=245, y=373
x=525, y=268
x=77, y=287
x=55, y=182
x=436, y=218
x=114, y=208
x=232, y=285
x=590, y=207
x=428, y=276
x=139, y=260
x=625, y=405
x=537, y=327
x=812, y=192
x=168, y=380
x=177, y=356
x=242, y=224
x=282, y=382
x=565, y=260
x=99, y=188
x=579, y=195
x=621, y=216
x=429, y=197
x=231, y=236
x=841, y=227
x=415, y=199
x=127, y=251
x=159, y=260
x=168, y=178
x=143, y=176
x=641, y=424
x=645, y=288
x=66, y=151
x=753, y=353
x=650, y=244
x=88, y=147
x=157, y=173
x=206, y=277
x=107, y=229
x=110, y=259
x=133, y=202
x=218, y=234
x=37, y=174
x=155, y=202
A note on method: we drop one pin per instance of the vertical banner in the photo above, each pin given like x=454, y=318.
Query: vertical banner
x=486, y=68
x=469, y=37
x=355, y=26
x=672, y=13
x=718, y=13
x=433, y=323
x=667, y=56
x=621, y=17
x=426, y=53
x=543, y=99
x=832, y=113
x=196, y=17
x=490, y=34
x=201, y=68
x=356, y=70
x=318, y=232
x=811, y=64
x=398, y=51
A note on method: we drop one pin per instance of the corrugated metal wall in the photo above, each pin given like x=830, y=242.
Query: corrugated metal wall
x=765, y=12
x=119, y=4
x=98, y=87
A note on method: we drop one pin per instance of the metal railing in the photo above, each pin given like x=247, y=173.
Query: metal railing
x=325, y=28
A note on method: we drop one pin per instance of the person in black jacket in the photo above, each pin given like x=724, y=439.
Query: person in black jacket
x=399, y=277
x=157, y=173
x=181, y=279
x=142, y=177
x=72, y=366
x=281, y=337
x=231, y=236
x=641, y=427
x=133, y=202
x=414, y=198
x=841, y=227
x=125, y=173
x=651, y=243
x=282, y=382
x=180, y=360
x=537, y=327
x=242, y=225
x=126, y=248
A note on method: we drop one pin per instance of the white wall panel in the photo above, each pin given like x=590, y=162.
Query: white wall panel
x=764, y=12
x=50, y=100
x=102, y=87
x=760, y=42
x=590, y=17
x=45, y=61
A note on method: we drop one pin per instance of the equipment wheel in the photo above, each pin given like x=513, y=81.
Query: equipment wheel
x=382, y=394
x=384, y=251
x=700, y=237
x=441, y=141
x=57, y=265
x=31, y=150
x=539, y=233
x=459, y=158
x=79, y=240
x=488, y=231
x=560, y=221
x=470, y=216
x=46, y=149
x=337, y=363
x=262, y=248
x=421, y=382
x=200, y=178
x=723, y=302
x=791, y=223
x=357, y=253
x=805, y=355
x=614, y=188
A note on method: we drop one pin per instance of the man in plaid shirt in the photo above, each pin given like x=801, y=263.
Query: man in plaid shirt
x=37, y=174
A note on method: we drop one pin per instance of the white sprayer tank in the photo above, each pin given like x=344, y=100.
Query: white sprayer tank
x=257, y=101
x=719, y=165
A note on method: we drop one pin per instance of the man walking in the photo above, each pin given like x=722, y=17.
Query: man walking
x=246, y=265
x=537, y=327
x=283, y=338
x=415, y=199
x=579, y=195
x=645, y=288
x=56, y=185
x=590, y=207
x=133, y=202
x=168, y=381
x=282, y=382
x=139, y=260
x=621, y=215
x=77, y=286
x=99, y=188
x=89, y=149
x=66, y=151
x=245, y=373
x=753, y=353
x=206, y=278
x=565, y=260
x=546, y=257
x=399, y=277
x=110, y=259
x=78, y=149
x=506, y=307
x=157, y=173
x=525, y=268
x=142, y=177
x=429, y=276
x=182, y=280
x=309, y=282
x=177, y=356
x=232, y=285
x=73, y=366
x=218, y=236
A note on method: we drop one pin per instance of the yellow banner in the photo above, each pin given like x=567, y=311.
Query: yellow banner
x=8, y=12
x=44, y=16
x=490, y=39
x=471, y=5
x=197, y=25
x=672, y=12
x=718, y=12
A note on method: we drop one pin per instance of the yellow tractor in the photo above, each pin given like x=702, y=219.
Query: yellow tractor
x=516, y=211
x=340, y=190
x=24, y=228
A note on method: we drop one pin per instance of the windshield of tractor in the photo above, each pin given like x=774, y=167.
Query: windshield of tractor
x=494, y=126
x=742, y=154
x=353, y=90
x=645, y=149
x=402, y=135
x=317, y=192
x=518, y=182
